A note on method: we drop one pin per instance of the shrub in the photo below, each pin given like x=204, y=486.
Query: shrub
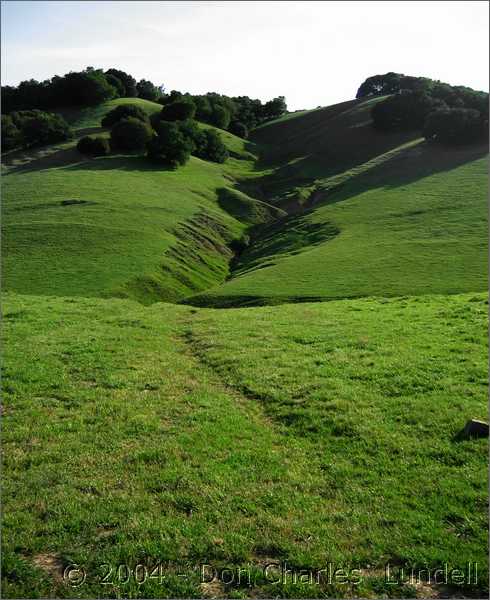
x=214, y=149
x=155, y=119
x=124, y=111
x=204, y=110
x=38, y=128
x=169, y=146
x=239, y=129
x=455, y=126
x=130, y=135
x=180, y=110
x=204, y=144
x=11, y=135
x=93, y=146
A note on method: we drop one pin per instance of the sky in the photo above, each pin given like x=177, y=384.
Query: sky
x=313, y=53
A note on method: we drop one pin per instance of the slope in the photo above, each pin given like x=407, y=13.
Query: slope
x=118, y=225
x=392, y=216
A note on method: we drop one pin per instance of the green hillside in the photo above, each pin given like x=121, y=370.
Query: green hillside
x=414, y=224
x=370, y=214
x=119, y=226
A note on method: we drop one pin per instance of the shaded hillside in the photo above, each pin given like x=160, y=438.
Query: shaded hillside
x=413, y=224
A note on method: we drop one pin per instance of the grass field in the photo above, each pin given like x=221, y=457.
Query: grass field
x=145, y=424
x=166, y=433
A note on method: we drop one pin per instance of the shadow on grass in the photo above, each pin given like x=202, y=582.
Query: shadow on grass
x=410, y=165
x=131, y=162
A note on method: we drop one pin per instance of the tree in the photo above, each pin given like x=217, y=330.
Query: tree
x=127, y=80
x=170, y=98
x=248, y=111
x=214, y=149
x=455, y=126
x=124, y=111
x=117, y=84
x=130, y=135
x=403, y=111
x=194, y=134
x=84, y=88
x=239, y=129
x=94, y=146
x=274, y=108
x=38, y=128
x=204, y=110
x=220, y=116
x=180, y=110
x=147, y=90
x=380, y=85
x=169, y=146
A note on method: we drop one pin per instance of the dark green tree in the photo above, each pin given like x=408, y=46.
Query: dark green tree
x=127, y=80
x=214, y=149
x=220, y=116
x=147, y=90
x=170, y=98
x=84, y=88
x=274, y=108
x=239, y=129
x=404, y=111
x=380, y=85
x=94, y=146
x=130, y=135
x=191, y=130
x=180, y=110
x=169, y=146
x=124, y=111
x=39, y=128
x=117, y=84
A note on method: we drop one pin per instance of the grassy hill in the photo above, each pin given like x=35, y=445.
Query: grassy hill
x=370, y=214
x=119, y=226
x=414, y=224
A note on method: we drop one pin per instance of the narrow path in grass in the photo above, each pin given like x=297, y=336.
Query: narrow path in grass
x=244, y=399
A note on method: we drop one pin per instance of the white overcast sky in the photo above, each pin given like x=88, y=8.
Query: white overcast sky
x=314, y=53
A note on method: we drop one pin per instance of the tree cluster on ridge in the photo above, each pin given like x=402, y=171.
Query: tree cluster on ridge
x=442, y=112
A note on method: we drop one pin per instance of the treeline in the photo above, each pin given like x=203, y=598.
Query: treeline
x=443, y=113
x=238, y=114
x=93, y=86
x=83, y=88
